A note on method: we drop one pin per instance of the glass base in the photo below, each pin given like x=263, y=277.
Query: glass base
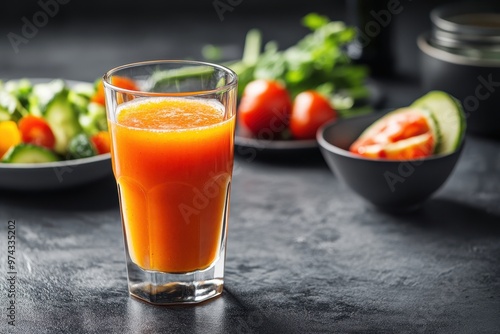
x=167, y=289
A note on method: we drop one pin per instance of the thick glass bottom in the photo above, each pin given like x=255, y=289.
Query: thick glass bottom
x=167, y=289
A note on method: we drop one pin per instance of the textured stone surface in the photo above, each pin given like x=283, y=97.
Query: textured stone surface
x=304, y=255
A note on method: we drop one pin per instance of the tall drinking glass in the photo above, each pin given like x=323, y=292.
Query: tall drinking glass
x=172, y=128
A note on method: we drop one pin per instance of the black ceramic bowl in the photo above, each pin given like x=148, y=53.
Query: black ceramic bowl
x=390, y=185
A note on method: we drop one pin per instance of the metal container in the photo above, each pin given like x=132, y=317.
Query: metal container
x=461, y=55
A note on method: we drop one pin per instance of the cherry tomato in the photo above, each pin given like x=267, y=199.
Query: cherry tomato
x=264, y=108
x=35, y=130
x=310, y=111
x=101, y=142
x=121, y=82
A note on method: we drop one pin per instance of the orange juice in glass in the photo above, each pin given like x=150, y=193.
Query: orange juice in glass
x=172, y=155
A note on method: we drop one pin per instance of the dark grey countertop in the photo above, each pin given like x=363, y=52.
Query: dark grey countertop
x=305, y=254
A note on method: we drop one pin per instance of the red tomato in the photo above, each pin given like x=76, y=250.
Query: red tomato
x=404, y=135
x=101, y=142
x=35, y=130
x=121, y=82
x=310, y=111
x=264, y=107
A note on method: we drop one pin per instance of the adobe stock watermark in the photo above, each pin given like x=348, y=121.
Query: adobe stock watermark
x=31, y=26
x=203, y=197
x=483, y=91
x=12, y=265
x=252, y=321
x=381, y=19
x=405, y=170
x=264, y=138
x=60, y=171
x=223, y=6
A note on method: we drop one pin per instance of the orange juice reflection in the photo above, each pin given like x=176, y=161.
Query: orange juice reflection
x=173, y=160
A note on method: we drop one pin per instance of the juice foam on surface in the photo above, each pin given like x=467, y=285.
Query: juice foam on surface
x=170, y=113
x=173, y=163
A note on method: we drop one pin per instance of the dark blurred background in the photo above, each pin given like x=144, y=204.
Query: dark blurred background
x=80, y=40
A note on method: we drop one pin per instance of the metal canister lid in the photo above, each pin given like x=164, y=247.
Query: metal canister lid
x=467, y=26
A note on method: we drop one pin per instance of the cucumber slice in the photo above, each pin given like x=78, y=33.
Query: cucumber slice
x=63, y=119
x=450, y=118
x=28, y=153
x=44, y=93
x=56, y=103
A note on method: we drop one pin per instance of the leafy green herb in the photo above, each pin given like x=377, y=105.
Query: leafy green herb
x=318, y=61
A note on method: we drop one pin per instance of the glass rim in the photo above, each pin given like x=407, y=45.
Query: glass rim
x=231, y=84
